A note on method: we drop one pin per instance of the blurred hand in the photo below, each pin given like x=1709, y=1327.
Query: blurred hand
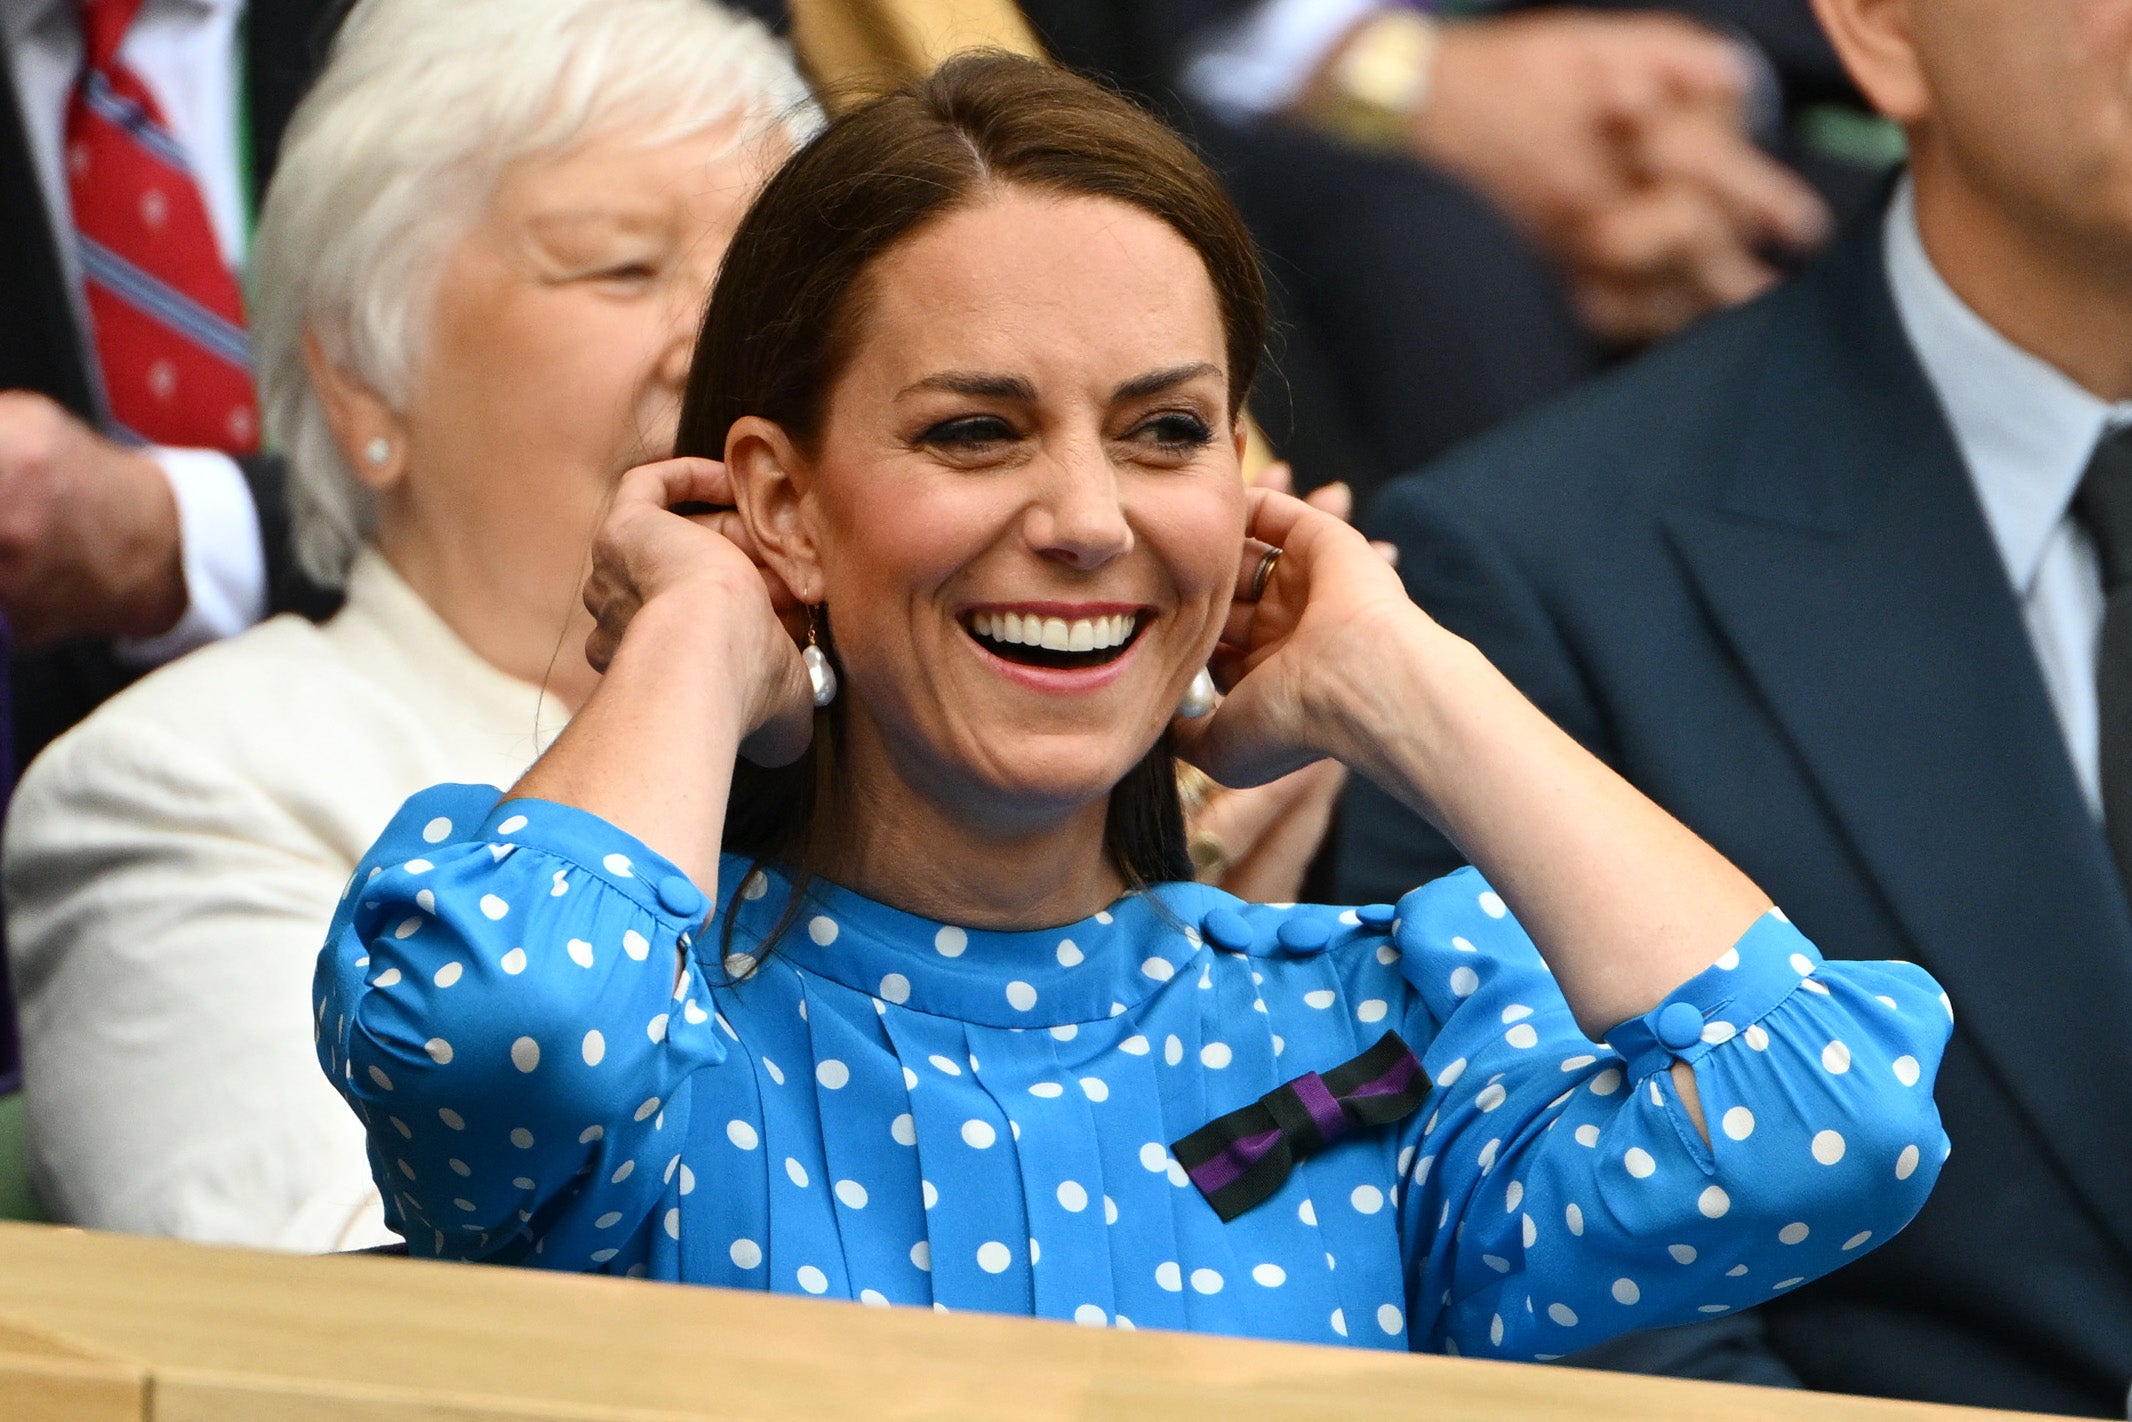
x=707, y=565
x=1616, y=141
x=90, y=544
x=1258, y=843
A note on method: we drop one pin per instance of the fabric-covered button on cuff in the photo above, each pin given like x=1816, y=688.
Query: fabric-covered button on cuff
x=1304, y=935
x=681, y=898
x=1678, y=1025
x=1377, y=916
x=1225, y=928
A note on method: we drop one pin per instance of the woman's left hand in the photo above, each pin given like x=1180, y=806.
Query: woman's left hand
x=1317, y=626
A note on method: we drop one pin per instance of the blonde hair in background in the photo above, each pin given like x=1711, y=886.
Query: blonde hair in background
x=421, y=108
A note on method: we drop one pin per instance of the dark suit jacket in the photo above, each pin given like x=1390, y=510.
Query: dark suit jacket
x=40, y=349
x=1750, y=572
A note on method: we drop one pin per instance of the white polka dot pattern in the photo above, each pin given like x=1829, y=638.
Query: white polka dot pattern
x=525, y=1030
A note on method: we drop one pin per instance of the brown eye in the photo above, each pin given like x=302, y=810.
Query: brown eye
x=1177, y=432
x=968, y=432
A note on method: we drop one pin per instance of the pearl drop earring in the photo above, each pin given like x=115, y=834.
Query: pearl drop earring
x=378, y=450
x=821, y=676
x=1199, y=697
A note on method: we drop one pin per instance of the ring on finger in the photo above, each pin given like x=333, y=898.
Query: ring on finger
x=1264, y=574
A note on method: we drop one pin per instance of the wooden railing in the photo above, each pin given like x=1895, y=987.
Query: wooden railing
x=108, y=1328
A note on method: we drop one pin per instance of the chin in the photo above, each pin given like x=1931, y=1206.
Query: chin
x=1062, y=775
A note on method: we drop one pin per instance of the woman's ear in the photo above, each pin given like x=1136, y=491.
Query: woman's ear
x=372, y=436
x=773, y=489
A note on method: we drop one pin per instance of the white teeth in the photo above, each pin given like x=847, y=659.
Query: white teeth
x=1086, y=634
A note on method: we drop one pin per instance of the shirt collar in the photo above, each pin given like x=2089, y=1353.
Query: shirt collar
x=23, y=18
x=2025, y=429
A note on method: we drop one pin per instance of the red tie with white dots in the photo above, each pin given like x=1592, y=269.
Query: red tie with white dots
x=168, y=320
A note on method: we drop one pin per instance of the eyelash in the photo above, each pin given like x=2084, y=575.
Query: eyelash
x=963, y=432
x=1173, y=430
x=1185, y=431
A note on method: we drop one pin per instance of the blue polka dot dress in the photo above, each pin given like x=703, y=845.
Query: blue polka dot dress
x=563, y=1061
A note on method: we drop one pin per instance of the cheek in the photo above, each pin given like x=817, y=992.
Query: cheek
x=1196, y=533
x=549, y=373
x=888, y=545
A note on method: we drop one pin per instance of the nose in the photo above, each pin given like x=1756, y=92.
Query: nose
x=1077, y=517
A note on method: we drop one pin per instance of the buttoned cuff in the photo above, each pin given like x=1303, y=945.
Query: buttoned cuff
x=1771, y=961
x=219, y=550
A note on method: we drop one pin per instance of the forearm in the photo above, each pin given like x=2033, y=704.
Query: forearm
x=1624, y=902
x=652, y=750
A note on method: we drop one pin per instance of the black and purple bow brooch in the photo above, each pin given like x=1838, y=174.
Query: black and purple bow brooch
x=1240, y=1160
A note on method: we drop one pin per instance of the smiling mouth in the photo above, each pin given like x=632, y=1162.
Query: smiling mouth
x=1030, y=640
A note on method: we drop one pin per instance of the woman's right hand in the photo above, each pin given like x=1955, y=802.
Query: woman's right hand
x=706, y=568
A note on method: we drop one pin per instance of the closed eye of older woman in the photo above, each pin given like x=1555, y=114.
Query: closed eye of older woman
x=934, y=1015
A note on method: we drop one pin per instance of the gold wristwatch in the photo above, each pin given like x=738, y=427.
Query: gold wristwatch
x=1378, y=79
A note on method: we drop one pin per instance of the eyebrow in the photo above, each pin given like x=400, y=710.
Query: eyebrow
x=977, y=383
x=1155, y=382
x=1015, y=387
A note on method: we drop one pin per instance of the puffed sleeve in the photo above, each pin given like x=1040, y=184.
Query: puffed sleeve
x=1561, y=1195
x=509, y=1001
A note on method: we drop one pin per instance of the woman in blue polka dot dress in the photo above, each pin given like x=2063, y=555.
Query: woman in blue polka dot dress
x=933, y=1016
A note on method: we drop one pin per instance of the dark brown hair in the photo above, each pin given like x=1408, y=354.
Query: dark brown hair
x=791, y=299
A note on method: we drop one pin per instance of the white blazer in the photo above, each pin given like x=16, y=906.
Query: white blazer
x=171, y=866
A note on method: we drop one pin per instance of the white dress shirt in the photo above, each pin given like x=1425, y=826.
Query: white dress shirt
x=187, y=53
x=1258, y=64
x=171, y=866
x=2026, y=431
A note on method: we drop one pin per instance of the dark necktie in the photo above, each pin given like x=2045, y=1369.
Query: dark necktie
x=2103, y=504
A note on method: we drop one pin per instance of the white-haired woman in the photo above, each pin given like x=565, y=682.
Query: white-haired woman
x=476, y=279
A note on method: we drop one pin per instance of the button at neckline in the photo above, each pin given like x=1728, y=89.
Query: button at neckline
x=680, y=897
x=1226, y=928
x=1304, y=935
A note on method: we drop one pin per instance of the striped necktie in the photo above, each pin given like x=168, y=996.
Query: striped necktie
x=167, y=318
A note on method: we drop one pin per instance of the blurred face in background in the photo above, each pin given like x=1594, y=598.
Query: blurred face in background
x=2024, y=104
x=2034, y=102
x=559, y=336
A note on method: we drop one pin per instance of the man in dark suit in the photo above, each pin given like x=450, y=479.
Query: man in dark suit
x=1826, y=577
x=101, y=573
x=89, y=537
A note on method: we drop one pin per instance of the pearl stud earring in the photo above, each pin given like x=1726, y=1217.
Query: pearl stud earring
x=378, y=450
x=1199, y=697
